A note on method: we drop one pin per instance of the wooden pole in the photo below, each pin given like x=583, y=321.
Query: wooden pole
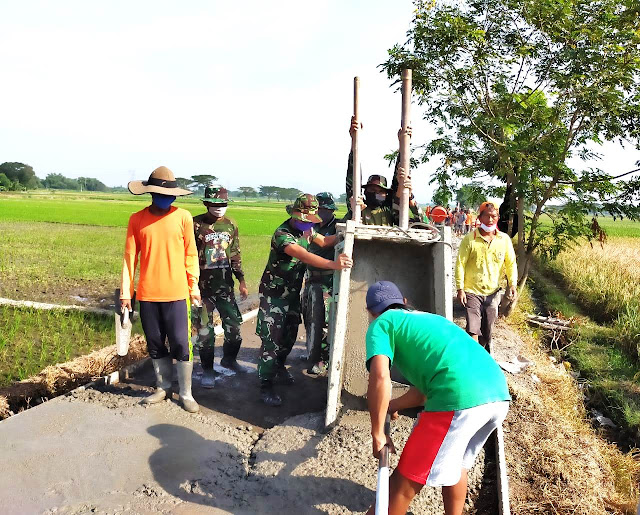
x=405, y=157
x=357, y=189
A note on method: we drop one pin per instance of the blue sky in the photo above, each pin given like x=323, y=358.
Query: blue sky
x=252, y=92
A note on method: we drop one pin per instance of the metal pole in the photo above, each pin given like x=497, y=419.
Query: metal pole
x=354, y=152
x=405, y=157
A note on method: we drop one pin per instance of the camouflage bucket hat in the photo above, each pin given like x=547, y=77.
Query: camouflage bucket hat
x=305, y=209
x=326, y=200
x=377, y=180
x=216, y=195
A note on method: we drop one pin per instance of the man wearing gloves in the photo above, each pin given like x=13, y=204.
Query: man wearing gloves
x=162, y=235
x=219, y=256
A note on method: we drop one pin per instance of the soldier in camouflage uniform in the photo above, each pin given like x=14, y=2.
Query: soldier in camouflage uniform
x=279, y=311
x=318, y=290
x=219, y=255
x=377, y=208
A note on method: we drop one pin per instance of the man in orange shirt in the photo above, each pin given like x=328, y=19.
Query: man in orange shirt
x=163, y=237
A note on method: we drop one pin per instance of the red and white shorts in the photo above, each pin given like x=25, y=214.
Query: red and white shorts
x=443, y=443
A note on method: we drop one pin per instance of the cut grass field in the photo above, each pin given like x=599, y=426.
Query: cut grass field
x=31, y=339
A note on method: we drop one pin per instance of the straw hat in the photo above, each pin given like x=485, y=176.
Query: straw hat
x=160, y=181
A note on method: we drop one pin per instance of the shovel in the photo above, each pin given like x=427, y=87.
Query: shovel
x=123, y=325
x=382, y=490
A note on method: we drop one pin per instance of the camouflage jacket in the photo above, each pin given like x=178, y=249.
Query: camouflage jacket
x=283, y=274
x=218, y=244
x=328, y=229
x=382, y=215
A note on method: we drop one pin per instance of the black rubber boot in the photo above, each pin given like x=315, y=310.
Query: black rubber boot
x=268, y=394
x=206, y=358
x=283, y=376
x=229, y=354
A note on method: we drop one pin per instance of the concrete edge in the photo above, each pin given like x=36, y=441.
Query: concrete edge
x=503, y=479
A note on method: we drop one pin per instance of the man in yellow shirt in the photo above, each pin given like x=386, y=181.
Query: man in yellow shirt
x=484, y=255
x=162, y=235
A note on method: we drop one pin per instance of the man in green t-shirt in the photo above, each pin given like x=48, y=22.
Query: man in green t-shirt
x=464, y=393
x=279, y=310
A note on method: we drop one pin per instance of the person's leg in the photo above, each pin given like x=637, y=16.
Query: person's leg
x=401, y=493
x=489, y=312
x=177, y=316
x=269, y=328
x=207, y=343
x=454, y=496
x=289, y=335
x=154, y=331
x=473, y=314
x=231, y=321
x=314, y=323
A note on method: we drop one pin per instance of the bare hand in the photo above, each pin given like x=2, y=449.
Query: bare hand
x=394, y=415
x=404, y=178
x=355, y=126
x=244, y=292
x=360, y=201
x=196, y=300
x=513, y=292
x=125, y=304
x=462, y=297
x=408, y=132
x=342, y=262
x=379, y=441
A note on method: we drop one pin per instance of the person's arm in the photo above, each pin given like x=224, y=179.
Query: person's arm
x=191, y=262
x=511, y=268
x=129, y=264
x=299, y=252
x=325, y=241
x=411, y=399
x=461, y=263
x=378, y=396
x=236, y=263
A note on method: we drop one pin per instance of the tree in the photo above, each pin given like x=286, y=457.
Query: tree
x=342, y=198
x=21, y=174
x=183, y=183
x=441, y=197
x=202, y=181
x=90, y=184
x=471, y=195
x=515, y=89
x=5, y=183
x=57, y=181
x=289, y=193
x=268, y=191
x=247, y=191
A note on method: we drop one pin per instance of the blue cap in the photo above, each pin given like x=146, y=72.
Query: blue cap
x=383, y=294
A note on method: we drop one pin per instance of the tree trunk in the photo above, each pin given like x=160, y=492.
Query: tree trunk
x=523, y=261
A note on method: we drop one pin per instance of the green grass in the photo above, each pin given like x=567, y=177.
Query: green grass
x=620, y=228
x=599, y=354
x=32, y=339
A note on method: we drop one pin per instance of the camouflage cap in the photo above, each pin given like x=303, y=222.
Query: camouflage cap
x=215, y=194
x=305, y=208
x=326, y=200
x=377, y=180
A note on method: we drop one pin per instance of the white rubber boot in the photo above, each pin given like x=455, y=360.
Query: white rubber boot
x=163, y=368
x=185, y=369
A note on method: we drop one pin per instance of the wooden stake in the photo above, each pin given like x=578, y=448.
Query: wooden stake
x=356, y=181
x=405, y=157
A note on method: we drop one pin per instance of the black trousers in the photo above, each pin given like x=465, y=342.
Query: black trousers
x=162, y=321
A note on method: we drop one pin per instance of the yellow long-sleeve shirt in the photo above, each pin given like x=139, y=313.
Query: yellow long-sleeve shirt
x=480, y=263
x=169, y=267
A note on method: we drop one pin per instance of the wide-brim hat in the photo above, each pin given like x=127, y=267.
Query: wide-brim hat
x=305, y=209
x=160, y=181
x=377, y=180
x=215, y=194
x=326, y=200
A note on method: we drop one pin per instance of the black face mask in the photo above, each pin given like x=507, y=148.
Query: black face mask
x=372, y=199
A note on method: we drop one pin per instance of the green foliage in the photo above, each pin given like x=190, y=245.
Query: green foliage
x=5, y=183
x=441, y=197
x=471, y=195
x=202, y=181
x=21, y=176
x=57, y=181
x=268, y=191
x=515, y=89
x=247, y=191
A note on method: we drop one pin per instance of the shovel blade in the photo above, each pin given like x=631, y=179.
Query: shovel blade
x=123, y=333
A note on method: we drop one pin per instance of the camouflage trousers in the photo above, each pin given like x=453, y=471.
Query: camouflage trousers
x=218, y=296
x=317, y=298
x=277, y=327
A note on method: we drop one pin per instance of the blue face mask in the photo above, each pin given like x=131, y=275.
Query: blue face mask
x=302, y=226
x=162, y=201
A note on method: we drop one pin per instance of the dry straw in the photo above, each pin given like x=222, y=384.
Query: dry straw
x=59, y=379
